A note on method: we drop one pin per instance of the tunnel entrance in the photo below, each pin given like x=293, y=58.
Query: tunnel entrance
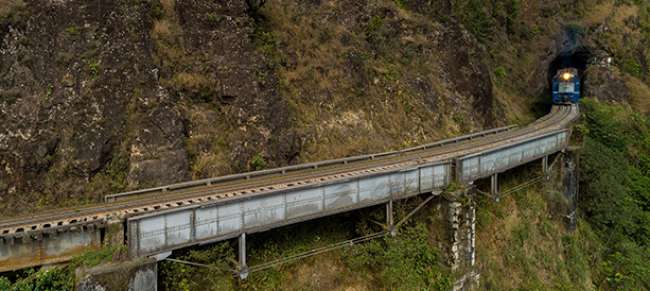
x=572, y=53
x=578, y=59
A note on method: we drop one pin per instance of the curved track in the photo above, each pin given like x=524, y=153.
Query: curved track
x=248, y=186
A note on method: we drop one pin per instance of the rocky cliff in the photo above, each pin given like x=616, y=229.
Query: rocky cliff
x=106, y=96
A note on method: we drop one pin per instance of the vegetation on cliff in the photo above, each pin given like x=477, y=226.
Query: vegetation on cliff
x=615, y=191
x=105, y=96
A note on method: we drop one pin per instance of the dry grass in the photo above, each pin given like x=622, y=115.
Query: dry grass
x=210, y=165
x=207, y=141
x=166, y=32
x=325, y=272
x=640, y=93
x=520, y=245
x=367, y=107
x=166, y=26
x=599, y=13
x=7, y=6
x=515, y=108
x=161, y=27
x=169, y=7
x=624, y=12
x=189, y=81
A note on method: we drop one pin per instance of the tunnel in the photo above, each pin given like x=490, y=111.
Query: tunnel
x=571, y=52
x=578, y=58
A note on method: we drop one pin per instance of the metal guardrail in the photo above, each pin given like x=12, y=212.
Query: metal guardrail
x=314, y=165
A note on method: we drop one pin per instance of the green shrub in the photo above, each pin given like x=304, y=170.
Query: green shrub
x=176, y=276
x=400, y=3
x=72, y=30
x=374, y=24
x=257, y=162
x=405, y=262
x=55, y=279
x=615, y=191
x=632, y=67
x=94, y=68
x=500, y=74
x=156, y=11
x=5, y=284
x=213, y=18
x=473, y=14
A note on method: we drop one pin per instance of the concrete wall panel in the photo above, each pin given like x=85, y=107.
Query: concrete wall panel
x=303, y=203
x=264, y=210
x=340, y=195
x=442, y=176
x=411, y=182
x=52, y=248
x=482, y=165
x=152, y=233
x=207, y=223
x=177, y=226
x=427, y=179
x=167, y=230
x=230, y=218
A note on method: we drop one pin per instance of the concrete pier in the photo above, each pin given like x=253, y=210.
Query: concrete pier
x=462, y=239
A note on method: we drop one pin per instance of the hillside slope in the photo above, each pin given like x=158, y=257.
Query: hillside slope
x=100, y=96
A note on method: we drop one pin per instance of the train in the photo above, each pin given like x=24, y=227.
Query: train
x=565, y=86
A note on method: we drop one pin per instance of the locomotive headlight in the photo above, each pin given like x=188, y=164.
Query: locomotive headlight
x=567, y=76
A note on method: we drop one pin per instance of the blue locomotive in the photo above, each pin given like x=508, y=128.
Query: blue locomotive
x=566, y=86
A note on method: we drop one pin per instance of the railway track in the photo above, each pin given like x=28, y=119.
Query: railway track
x=251, y=186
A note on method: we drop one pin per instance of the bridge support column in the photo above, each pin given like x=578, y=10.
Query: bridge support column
x=470, y=223
x=545, y=170
x=390, y=223
x=243, y=268
x=494, y=186
x=462, y=235
x=454, y=219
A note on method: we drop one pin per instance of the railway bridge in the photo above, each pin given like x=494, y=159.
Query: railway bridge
x=159, y=220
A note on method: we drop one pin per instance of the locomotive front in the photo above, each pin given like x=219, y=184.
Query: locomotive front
x=566, y=86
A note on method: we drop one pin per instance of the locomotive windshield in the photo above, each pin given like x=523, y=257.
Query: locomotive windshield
x=566, y=87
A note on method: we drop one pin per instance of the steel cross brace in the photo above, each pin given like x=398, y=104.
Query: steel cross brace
x=401, y=222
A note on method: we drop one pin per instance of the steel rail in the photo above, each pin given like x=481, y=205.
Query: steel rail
x=555, y=120
x=309, y=171
x=314, y=165
x=76, y=211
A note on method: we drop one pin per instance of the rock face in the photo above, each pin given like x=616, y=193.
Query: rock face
x=606, y=84
x=157, y=153
x=76, y=91
x=468, y=74
x=106, y=96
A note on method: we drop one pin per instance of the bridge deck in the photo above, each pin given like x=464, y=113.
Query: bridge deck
x=248, y=188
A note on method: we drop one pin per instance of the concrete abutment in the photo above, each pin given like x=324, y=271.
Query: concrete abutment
x=135, y=275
